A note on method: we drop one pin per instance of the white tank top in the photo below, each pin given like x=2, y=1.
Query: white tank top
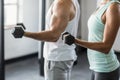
x=59, y=51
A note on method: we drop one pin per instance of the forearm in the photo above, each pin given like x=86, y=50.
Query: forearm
x=98, y=46
x=48, y=36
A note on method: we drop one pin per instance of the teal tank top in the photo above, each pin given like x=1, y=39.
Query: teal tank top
x=99, y=61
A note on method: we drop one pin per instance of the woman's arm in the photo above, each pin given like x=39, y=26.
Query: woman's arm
x=112, y=23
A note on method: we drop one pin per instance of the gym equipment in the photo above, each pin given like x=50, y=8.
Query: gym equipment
x=18, y=31
x=68, y=38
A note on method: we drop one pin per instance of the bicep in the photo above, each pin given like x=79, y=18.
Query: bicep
x=111, y=25
x=58, y=23
x=59, y=20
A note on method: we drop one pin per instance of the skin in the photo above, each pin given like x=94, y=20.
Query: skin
x=62, y=12
x=111, y=19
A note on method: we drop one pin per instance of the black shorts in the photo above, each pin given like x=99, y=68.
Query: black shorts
x=114, y=75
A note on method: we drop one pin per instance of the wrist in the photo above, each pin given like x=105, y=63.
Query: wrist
x=77, y=41
x=25, y=33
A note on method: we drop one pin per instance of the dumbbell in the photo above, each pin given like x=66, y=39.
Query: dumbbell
x=18, y=31
x=68, y=38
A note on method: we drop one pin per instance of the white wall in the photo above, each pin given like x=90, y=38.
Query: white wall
x=40, y=28
x=20, y=47
x=87, y=8
x=117, y=42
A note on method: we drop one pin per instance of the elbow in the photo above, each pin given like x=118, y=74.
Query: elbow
x=106, y=49
x=55, y=38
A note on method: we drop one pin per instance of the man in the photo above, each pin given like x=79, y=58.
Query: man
x=62, y=16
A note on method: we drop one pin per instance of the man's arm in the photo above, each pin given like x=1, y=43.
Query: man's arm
x=58, y=23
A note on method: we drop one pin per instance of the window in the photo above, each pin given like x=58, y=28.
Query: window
x=13, y=11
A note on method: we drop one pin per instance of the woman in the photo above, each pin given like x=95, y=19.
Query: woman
x=103, y=26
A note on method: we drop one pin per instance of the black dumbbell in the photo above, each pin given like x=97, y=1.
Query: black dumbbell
x=68, y=38
x=18, y=31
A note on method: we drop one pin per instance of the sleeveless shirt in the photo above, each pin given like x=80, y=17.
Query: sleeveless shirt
x=59, y=51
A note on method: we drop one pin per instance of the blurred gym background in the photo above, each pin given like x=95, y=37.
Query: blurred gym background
x=21, y=59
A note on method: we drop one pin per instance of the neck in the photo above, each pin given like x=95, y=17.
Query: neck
x=104, y=1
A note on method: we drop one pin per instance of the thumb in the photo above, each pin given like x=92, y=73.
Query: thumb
x=63, y=35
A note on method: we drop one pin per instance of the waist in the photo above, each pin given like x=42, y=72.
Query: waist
x=101, y=62
x=99, y=56
x=59, y=53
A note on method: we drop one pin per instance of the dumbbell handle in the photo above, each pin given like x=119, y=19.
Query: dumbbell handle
x=21, y=25
x=7, y=27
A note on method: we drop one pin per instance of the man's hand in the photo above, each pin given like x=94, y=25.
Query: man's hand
x=18, y=31
x=68, y=38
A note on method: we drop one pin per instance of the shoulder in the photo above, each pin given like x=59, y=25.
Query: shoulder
x=113, y=10
x=113, y=13
x=63, y=3
x=61, y=6
x=114, y=7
